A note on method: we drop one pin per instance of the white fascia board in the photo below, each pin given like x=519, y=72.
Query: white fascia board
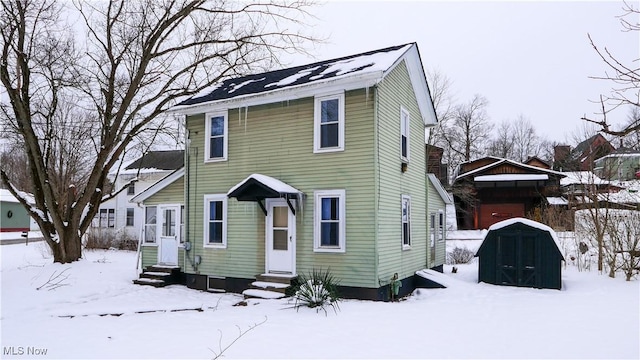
x=159, y=185
x=419, y=83
x=439, y=188
x=360, y=81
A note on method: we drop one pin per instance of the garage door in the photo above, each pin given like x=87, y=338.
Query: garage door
x=492, y=213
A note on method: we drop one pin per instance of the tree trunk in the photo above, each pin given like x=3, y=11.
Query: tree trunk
x=69, y=248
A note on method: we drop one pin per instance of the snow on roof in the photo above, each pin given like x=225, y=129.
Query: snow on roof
x=439, y=188
x=511, y=177
x=503, y=161
x=581, y=177
x=555, y=200
x=368, y=62
x=274, y=184
x=7, y=196
x=528, y=222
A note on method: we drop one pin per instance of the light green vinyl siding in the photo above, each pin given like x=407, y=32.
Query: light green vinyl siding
x=171, y=194
x=436, y=204
x=277, y=140
x=393, y=92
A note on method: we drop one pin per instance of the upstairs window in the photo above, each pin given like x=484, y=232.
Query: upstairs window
x=404, y=134
x=131, y=189
x=329, y=123
x=216, y=129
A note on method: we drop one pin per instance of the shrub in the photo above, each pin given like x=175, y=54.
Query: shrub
x=460, y=256
x=318, y=289
x=98, y=238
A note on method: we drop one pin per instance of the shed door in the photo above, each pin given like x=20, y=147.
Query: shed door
x=517, y=259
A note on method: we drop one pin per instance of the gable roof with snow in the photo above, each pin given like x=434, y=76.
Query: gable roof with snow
x=533, y=171
x=160, y=160
x=346, y=73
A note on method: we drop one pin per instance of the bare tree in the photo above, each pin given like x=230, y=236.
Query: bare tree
x=503, y=143
x=92, y=98
x=468, y=133
x=440, y=89
x=625, y=77
x=622, y=245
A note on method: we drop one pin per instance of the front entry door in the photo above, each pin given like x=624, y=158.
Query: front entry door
x=169, y=234
x=280, y=238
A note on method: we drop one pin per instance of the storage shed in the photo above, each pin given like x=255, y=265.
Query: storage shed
x=520, y=252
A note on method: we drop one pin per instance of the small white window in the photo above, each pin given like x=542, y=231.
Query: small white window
x=404, y=135
x=215, y=221
x=441, y=225
x=150, y=220
x=432, y=228
x=406, y=222
x=329, y=221
x=216, y=138
x=328, y=119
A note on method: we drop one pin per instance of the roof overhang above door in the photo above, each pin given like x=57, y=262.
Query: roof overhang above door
x=257, y=187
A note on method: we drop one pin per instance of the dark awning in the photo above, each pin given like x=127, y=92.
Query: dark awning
x=257, y=187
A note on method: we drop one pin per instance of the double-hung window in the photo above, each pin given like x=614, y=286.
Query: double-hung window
x=406, y=221
x=441, y=226
x=404, y=134
x=215, y=221
x=150, y=221
x=328, y=132
x=130, y=216
x=432, y=228
x=106, y=218
x=329, y=221
x=217, y=138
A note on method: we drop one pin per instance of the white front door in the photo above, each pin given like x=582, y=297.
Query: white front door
x=280, y=238
x=169, y=222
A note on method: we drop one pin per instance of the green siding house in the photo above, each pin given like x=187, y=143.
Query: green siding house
x=319, y=166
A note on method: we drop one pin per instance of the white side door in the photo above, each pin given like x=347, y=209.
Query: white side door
x=280, y=238
x=169, y=230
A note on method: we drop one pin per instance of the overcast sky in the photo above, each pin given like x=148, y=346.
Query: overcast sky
x=526, y=57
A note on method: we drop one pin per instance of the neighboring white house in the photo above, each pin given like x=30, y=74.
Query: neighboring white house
x=120, y=214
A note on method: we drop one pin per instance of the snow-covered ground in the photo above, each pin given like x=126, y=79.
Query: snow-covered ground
x=90, y=309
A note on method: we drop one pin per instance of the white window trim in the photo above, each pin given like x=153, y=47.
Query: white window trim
x=433, y=232
x=144, y=226
x=317, y=214
x=403, y=112
x=317, y=122
x=207, y=136
x=408, y=199
x=205, y=239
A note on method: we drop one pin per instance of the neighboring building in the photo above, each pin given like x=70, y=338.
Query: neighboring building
x=583, y=156
x=622, y=164
x=320, y=166
x=13, y=216
x=119, y=214
x=492, y=189
x=435, y=165
x=537, y=162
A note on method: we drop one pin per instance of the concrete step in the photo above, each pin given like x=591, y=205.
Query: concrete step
x=276, y=278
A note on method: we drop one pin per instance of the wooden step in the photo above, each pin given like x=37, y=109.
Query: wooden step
x=270, y=286
x=262, y=294
x=276, y=278
x=151, y=282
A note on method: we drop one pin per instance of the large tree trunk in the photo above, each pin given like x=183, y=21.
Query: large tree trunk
x=67, y=249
